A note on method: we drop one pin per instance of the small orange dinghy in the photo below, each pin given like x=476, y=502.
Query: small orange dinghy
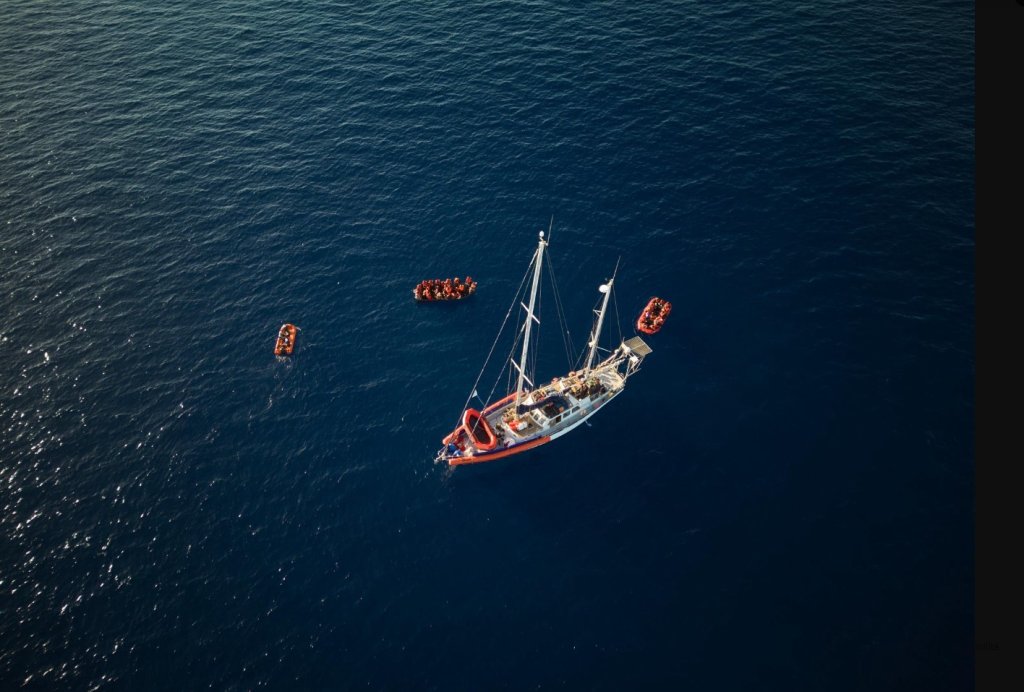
x=653, y=316
x=286, y=340
x=432, y=290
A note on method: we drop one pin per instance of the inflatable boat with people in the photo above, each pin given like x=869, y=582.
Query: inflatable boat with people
x=653, y=317
x=285, y=345
x=432, y=290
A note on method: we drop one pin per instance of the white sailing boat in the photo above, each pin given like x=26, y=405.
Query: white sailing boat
x=532, y=415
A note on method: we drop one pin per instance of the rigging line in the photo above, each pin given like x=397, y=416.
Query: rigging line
x=590, y=335
x=535, y=346
x=579, y=359
x=508, y=383
x=593, y=325
x=511, y=372
x=491, y=352
x=554, y=292
x=562, y=321
x=511, y=355
x=618, y=322
x=615, y=299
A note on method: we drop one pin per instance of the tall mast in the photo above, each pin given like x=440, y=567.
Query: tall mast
x=529, y=319
x=606, y=289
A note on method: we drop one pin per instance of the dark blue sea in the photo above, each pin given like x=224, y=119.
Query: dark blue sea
x=782, y=498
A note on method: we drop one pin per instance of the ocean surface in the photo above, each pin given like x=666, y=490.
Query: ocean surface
x=782, y=498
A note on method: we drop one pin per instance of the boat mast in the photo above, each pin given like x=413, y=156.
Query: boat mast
x=606, y=289
x=529, y=319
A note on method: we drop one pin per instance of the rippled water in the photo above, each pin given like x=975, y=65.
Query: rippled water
x=782, y=499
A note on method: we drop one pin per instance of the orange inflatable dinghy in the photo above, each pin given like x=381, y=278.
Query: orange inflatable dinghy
x=286, y=340
x=432, y=290
x=653, y=316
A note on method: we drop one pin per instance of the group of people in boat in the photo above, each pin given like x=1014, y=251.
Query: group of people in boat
x=285, y=340
x=574, y=384
x=445, y=289
x=654, y=315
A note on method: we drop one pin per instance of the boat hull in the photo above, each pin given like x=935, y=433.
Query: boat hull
x=499, y=453
x=285, y=345
x=526, y=445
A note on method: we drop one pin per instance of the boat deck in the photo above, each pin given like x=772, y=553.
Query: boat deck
x=583, y=395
